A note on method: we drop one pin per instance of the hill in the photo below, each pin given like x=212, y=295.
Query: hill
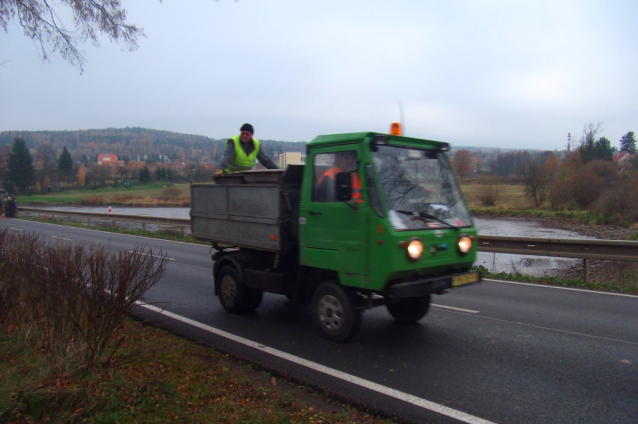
x=131, y=142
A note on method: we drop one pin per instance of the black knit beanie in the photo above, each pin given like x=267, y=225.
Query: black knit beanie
x=247, y=127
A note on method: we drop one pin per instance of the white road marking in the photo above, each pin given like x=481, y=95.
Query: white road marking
x=16, y=229
x=469, y=311
x=148, y=254
x=61, y=238
x=561, y=288
x=422, y=403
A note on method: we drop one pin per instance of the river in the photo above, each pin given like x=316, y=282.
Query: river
x=515, y=227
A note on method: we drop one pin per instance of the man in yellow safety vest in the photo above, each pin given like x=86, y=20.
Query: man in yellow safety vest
x=241, y=152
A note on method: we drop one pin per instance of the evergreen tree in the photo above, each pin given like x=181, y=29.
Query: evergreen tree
x=169, y=174
x=158, y=173
x=20, y=165
x=603, y=149
x=84, y=159
x=65, y=163
x=145, y=175
x=628, y=143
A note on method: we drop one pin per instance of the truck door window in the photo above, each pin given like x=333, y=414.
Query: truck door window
x=325, y=167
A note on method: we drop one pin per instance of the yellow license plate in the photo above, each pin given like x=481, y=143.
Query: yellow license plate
x=461, y=280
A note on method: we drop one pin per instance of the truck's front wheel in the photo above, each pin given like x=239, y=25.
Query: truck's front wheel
x=334, y=312
x=410, y=310
x=234, y=296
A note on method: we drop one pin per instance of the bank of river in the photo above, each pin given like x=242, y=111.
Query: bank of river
x=515, y=227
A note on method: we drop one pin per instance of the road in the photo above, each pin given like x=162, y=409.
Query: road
x=501, y=352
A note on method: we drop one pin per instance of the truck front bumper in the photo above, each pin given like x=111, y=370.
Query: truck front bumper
x=432, y=285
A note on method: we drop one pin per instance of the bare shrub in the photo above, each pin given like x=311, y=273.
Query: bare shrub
x=93, y=201
x=621, y=202
x=488, y=189
x=18, y=253
x=171, y=193
x=561, y=193
x=73, y=299
x=587, y=188
x=605, y=170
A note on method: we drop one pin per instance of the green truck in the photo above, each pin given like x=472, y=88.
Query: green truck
x=371, y=219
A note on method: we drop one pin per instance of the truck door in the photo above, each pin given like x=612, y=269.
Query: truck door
x=334, y=233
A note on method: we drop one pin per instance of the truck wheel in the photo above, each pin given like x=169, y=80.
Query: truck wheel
x=334, y=312
x=234, y=296
x=410, y=310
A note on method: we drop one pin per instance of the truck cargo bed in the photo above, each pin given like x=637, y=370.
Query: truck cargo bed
x=255, y=209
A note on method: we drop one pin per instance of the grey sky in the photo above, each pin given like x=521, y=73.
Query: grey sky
x=508, y=74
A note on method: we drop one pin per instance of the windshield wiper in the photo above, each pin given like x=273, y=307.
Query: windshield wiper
x=424, y=215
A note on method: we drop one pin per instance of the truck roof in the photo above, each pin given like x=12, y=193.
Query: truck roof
x=397, y=140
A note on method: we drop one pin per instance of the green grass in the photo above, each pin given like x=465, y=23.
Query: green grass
x=147, y=191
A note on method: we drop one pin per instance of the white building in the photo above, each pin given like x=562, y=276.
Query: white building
x=291, y=158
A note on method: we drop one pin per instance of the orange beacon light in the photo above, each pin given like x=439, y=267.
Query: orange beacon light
x=395, y=129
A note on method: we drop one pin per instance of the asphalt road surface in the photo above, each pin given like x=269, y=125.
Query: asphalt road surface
x=501, y=352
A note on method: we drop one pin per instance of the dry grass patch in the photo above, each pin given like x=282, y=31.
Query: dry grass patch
x=94, y=201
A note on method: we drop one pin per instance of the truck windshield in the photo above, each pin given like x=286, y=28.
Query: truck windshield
x=420, y=189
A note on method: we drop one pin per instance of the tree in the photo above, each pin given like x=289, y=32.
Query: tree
x=552, y=166
x=628, y=143
x=592, y=149
x=40, y=21
x=20, y=166
x=65, y=163
x=84, y=159
x=82, y=175
x=536, y=182
x=45, y=152
x=462, y=163
x=145, y=175
x=603, y=149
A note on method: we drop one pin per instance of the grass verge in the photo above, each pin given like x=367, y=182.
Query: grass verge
x=157, y=377
x=623, y=284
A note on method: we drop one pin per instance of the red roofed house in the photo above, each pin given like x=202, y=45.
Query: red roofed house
x=106, y=159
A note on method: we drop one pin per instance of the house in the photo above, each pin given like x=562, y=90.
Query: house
x=109, y=159
x=291, y=158
x=622, y=159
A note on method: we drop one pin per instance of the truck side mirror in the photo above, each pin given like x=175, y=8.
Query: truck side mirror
x=343, y=186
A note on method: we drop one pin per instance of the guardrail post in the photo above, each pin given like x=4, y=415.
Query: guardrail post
x=88, y=221
x=181, y=230
x=586, y=270
x=143, y=226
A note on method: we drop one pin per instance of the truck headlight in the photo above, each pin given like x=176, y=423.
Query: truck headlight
x=464, y=244
x=415, y=249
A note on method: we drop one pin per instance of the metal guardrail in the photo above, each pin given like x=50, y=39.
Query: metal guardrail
x=613, y=250
x=157, y=220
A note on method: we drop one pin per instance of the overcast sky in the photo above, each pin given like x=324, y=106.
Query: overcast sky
x=508, y=74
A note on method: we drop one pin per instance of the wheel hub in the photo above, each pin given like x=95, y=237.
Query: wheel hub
x=330, y=312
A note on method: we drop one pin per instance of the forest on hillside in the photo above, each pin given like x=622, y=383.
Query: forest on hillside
x=128, y=143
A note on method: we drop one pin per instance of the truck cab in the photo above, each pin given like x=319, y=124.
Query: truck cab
x=371, y=219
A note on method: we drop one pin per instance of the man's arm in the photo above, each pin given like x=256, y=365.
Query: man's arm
x=265, y=160
x=229, y=154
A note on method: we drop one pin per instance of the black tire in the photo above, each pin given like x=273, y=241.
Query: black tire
x=410, y=310
x=334, y=313
x=234, y=296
